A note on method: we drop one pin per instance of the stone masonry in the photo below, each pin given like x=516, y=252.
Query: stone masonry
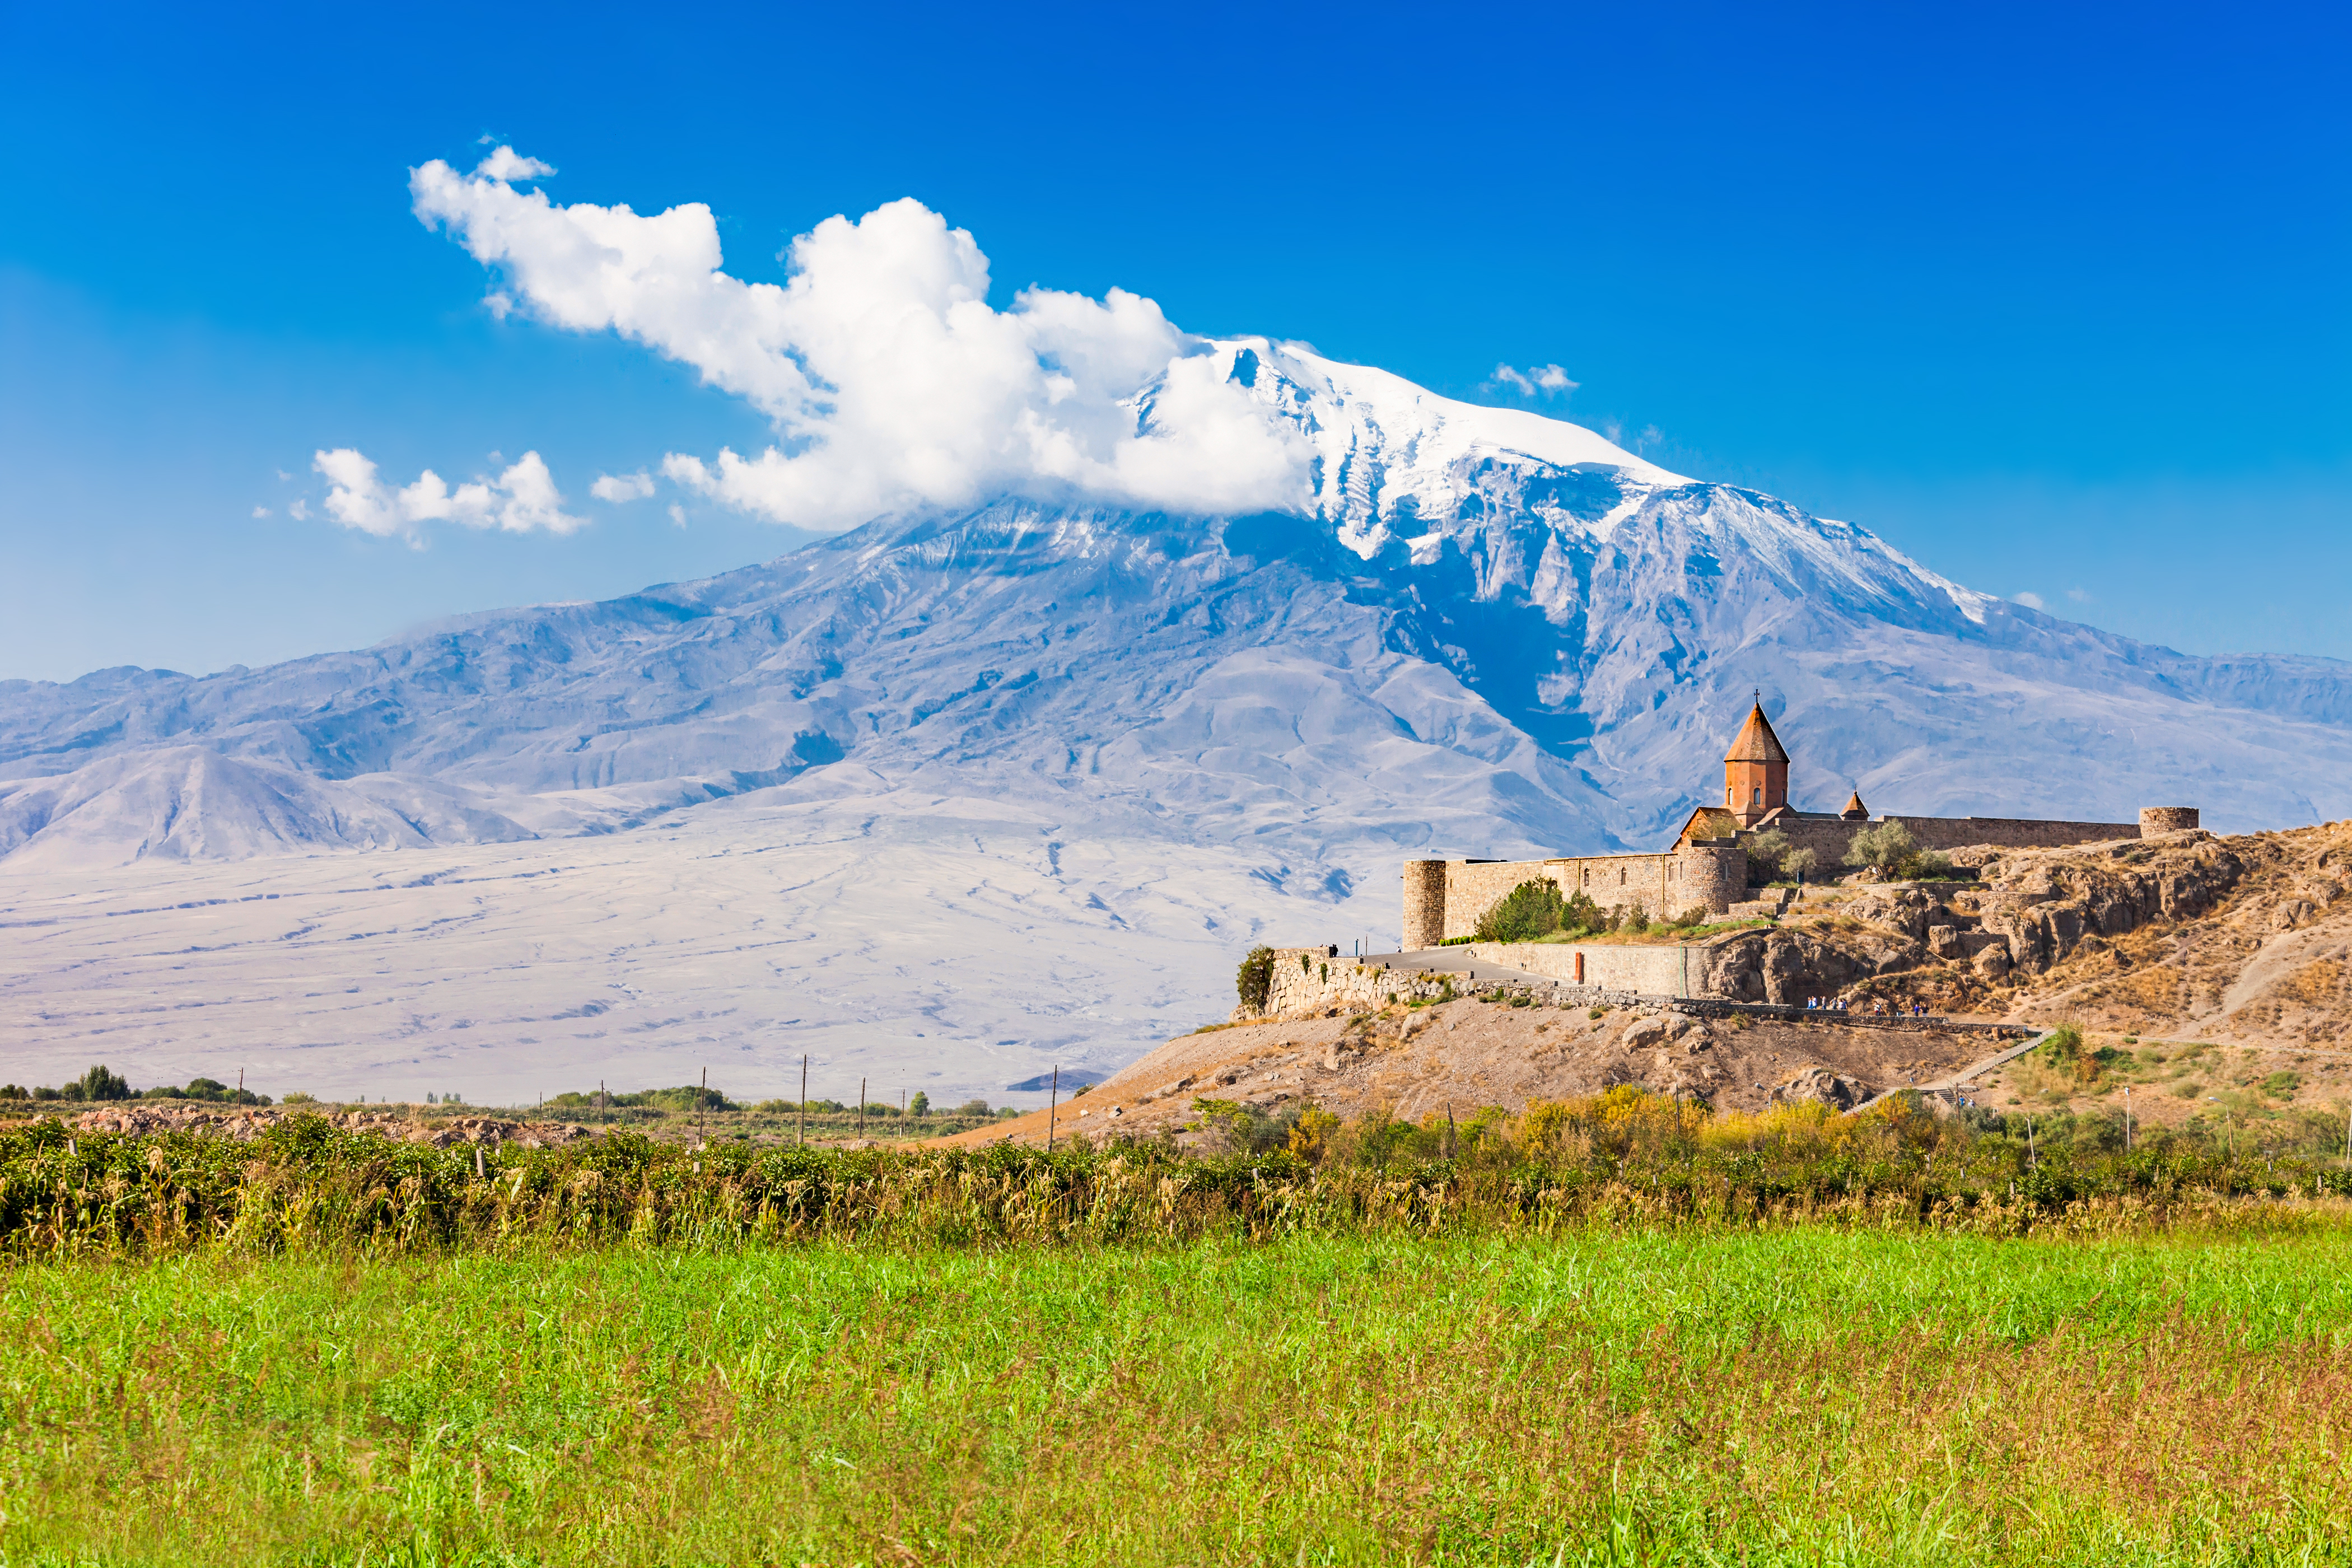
x=1706, y=868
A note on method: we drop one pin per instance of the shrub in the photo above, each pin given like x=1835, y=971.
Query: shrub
x=1255, y=976
x=1636, y=919
x=297, y=1096
x=2066, y=1052
x=1886, y=846
x=973, y=1108
x=1528, y=912
x=1311, y=1133
x=1924, y=865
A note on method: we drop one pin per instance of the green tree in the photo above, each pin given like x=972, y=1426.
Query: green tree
x=98, y=1084
x=1255, y=977
x=1529, y=911
x=921, y=1105
x=1798, y=862
x=1886, y=846
x=1766, y=855
x=1579, y=913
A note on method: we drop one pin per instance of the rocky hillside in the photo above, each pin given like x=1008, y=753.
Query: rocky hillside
x=1458, y=1058
x=2242, y=938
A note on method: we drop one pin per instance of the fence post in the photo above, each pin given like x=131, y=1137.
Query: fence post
x=1053, y=1100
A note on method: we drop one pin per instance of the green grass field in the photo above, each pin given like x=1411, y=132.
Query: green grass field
x=1801, y=1395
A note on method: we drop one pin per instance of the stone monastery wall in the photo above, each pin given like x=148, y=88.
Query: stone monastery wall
x=1707, y=869
x=1443, y=899
x=1829, y=837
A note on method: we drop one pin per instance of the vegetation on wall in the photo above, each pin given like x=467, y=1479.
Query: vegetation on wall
x=1255, y=977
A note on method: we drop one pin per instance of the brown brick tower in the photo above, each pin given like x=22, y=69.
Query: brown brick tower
x=1755, y=771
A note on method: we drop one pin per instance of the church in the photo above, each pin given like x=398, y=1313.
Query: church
x=1706, y=866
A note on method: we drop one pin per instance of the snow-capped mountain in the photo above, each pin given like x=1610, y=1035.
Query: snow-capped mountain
x=1492, y=630
x=1485, y=633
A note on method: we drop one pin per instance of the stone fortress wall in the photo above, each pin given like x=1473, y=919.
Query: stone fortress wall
x=1443, y=899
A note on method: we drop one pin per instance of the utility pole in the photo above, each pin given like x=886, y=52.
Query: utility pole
x=604, y=1113
x=861, y=1110
x=804, y=1111
x=2128, y=1118
x=2032, y=1161
x=1053, y=1098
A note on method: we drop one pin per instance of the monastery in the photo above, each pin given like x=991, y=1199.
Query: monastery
x=1706, y=866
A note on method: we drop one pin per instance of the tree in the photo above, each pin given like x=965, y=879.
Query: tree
x=1528, y=912
x=98, y=1084
x=1886, y=846
x=1797, y=862
x=1255, y=978
x=1581, y=913
x=921, y=1105
x=1766, y=855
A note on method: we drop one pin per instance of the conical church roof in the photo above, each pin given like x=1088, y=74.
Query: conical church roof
x=1757, y=743
x=1855, y=810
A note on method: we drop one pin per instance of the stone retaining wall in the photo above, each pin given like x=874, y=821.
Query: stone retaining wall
x=1326, y=984
x=1652, y=971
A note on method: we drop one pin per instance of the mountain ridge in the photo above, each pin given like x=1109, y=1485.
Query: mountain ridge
x=1502, y=625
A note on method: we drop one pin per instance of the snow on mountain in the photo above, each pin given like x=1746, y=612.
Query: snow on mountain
x=1492, y=633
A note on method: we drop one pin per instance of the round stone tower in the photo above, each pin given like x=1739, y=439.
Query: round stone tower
x=2156, y=819
x=1424, y=904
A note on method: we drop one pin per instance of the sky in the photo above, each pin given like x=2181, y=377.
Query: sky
x=2052, y=298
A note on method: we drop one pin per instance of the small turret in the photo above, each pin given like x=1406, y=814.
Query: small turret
x=1855, y=810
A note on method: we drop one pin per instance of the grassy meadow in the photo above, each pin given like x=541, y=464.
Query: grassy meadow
x=1801, y=1395
x=1615, y=1330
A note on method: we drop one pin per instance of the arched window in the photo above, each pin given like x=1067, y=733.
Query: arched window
x=1759, y=795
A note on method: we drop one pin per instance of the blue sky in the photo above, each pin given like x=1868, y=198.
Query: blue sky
x=2057, y=302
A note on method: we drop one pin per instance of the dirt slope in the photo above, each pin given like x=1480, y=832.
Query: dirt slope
x=1467, y=1054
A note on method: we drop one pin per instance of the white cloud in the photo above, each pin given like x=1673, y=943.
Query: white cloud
x=261, y=511
x=2030, y=601
x=890, y=381
x=519, y=501
x=2079, y=596
x=619, y=488
x=506, y=164
x=676, y=515
x=1544, y=378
